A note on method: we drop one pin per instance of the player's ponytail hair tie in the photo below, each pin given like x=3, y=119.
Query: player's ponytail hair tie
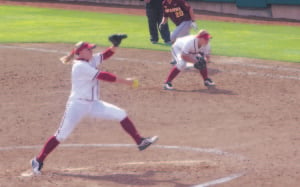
x=78, y=47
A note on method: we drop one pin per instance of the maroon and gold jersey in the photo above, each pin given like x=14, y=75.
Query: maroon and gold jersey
x=176, y=10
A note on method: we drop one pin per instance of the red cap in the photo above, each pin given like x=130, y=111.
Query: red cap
x=82, y=46
x=204, y=35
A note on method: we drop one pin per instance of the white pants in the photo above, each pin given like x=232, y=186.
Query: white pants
x=76, y=110
x=183, y=29
x=176, y=54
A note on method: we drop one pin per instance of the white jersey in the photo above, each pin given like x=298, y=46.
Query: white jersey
x=83, y=101
x=189, y=45
x=85, y=85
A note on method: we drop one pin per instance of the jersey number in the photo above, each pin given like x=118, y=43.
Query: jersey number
x=179, y=13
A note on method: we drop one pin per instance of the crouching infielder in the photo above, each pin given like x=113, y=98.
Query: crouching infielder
x=192, y=48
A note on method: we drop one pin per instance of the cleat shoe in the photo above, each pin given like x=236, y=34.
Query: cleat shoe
x=168, y=86
x=173, y=62
x=36, y=166
x=208, y=82
x=146, y=142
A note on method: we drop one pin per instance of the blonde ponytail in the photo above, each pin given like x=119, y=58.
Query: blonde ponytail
x=68, y=58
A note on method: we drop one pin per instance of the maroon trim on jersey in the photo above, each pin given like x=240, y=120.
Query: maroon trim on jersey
x=106, y=76
x=177, y=10
x=195, y=45
x=107, y=53
x=82, y=59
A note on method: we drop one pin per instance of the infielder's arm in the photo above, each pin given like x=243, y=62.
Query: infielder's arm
x=188, y=58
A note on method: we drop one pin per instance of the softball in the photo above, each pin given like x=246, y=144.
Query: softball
x=135, y=83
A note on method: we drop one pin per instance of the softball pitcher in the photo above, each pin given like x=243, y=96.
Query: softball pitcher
x=181, y=13
x=84, y=98
x=195, y=49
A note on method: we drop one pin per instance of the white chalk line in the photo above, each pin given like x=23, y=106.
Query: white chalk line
x=220, y=181
x=183, y=148
x=258, y=66
x=170, y=162
x=261, y=66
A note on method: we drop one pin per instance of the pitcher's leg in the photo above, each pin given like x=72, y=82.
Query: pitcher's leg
x=73, y=114
x=109, y=111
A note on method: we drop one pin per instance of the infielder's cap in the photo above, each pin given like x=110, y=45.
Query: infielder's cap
x=82, y=45
x=204, y=34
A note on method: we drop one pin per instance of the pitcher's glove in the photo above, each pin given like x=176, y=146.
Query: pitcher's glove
x=116, y=39
x=200, y=64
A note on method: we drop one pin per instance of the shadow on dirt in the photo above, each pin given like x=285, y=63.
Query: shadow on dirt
x=211, y=90
x=127, y=179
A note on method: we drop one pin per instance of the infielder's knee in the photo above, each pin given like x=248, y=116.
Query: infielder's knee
x=181, y=65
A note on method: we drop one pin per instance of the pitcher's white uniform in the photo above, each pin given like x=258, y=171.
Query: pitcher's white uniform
x=187, y=45
x=84, y=98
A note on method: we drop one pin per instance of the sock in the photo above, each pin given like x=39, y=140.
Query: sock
x=173, y=73
x=203, y=73
x=48, y=147
x=130, y=129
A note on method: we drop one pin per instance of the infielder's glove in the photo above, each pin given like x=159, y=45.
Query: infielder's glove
x=200, y=64
x=116, y=39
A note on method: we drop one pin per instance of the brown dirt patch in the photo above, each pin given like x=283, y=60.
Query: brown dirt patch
x=253, y=116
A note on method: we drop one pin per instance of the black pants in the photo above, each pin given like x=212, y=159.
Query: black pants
x=154, y=18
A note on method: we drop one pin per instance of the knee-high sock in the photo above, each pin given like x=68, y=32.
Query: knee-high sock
x=48, y=147
x=203, y=73
x=131, y=130
x=173, y=73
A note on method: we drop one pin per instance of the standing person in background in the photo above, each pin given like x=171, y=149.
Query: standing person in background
x=154, y=14
x=181, y=13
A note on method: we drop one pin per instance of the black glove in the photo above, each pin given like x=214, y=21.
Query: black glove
x=200, y=64
x=116, y=39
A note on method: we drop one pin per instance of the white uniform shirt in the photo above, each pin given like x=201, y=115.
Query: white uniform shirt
x=189, y=45
x=85, y=85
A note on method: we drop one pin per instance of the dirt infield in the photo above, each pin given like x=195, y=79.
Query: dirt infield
x=245, y=133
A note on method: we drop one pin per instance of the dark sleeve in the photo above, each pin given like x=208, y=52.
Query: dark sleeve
x=106, y=76
x=107, y=53
x=184, y=6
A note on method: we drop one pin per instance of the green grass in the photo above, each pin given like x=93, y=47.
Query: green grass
x=31, y=25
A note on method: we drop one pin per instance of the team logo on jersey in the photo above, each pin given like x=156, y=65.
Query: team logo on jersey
x=176, y=9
